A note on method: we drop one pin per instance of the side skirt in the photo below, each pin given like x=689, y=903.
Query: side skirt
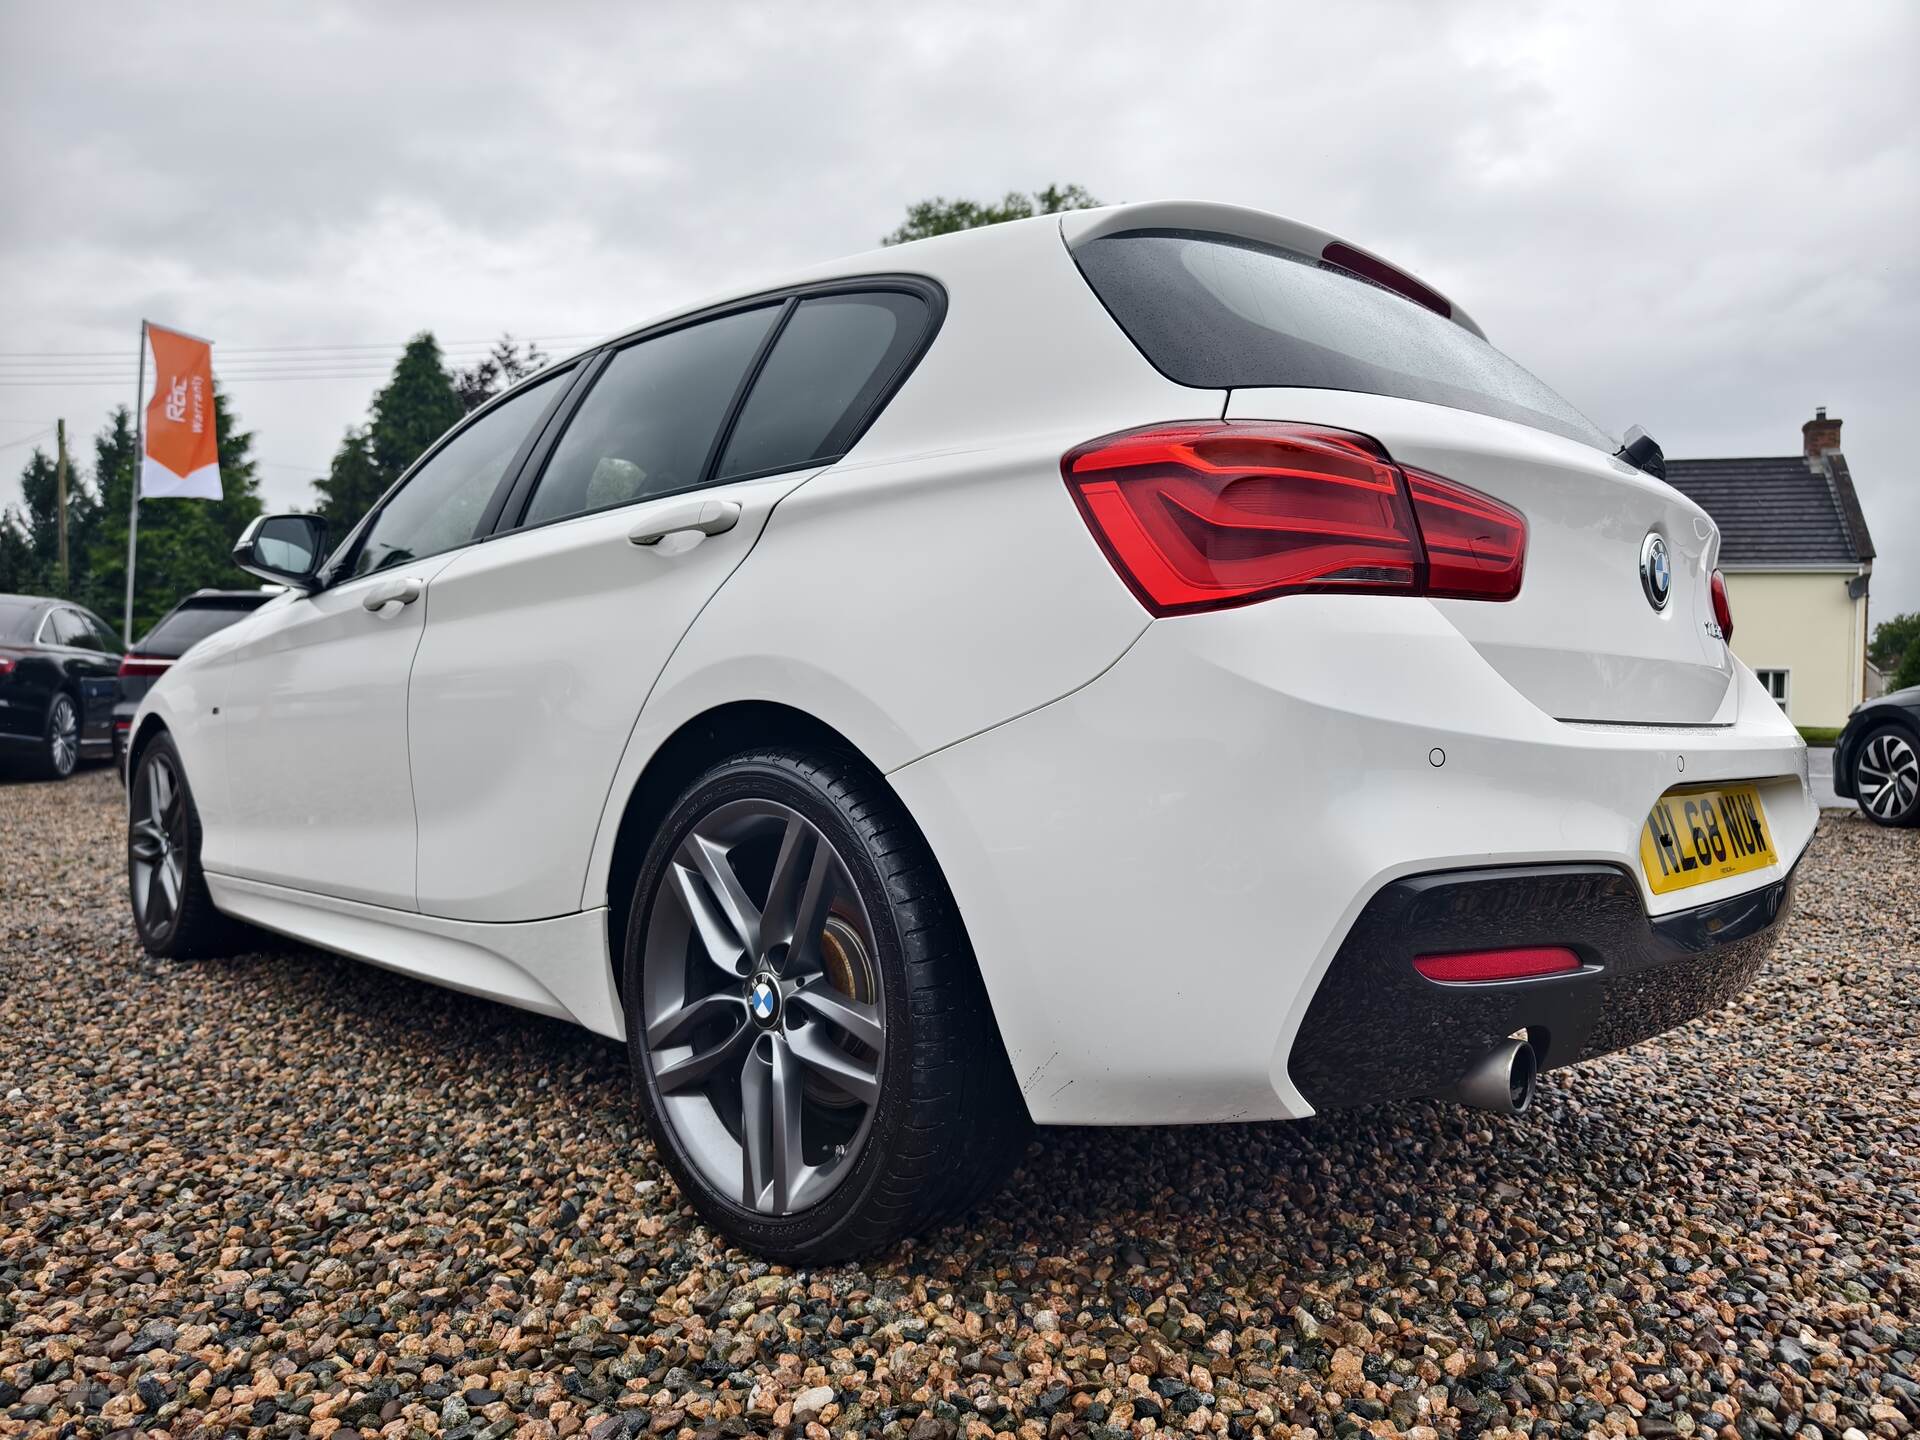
x=557, y=966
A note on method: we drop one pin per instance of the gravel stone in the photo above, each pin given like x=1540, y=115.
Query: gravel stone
x=292, y=1196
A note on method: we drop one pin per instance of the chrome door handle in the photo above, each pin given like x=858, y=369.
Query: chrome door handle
x=698, y=517
x=406, y=591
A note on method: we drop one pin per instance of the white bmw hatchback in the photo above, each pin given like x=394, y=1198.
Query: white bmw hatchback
x=1154, y=664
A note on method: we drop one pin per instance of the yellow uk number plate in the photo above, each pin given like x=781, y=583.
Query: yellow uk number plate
x=1693, y=836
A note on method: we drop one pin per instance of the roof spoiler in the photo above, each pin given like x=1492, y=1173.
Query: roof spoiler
x=1240, y=223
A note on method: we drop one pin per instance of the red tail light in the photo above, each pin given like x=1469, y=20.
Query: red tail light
x=1477, y=966
x=6, y=664
x=145, y=665
x=1722, y=607
x=1207, y=514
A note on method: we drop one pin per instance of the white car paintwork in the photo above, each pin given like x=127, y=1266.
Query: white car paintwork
x=318, y=782
x=1127, y=809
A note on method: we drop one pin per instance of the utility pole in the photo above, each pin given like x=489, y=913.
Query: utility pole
x=60, y=499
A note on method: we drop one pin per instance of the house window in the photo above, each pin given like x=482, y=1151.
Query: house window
x=1776, y=683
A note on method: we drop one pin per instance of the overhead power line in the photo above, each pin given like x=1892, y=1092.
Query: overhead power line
x=238, y=350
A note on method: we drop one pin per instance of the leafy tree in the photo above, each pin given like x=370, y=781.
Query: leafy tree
x=507, y=365
x=1909, y=671
x=1893, y=640
x=184, y=544
x=941, y=216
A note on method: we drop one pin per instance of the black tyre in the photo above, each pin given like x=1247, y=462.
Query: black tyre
x=1886, y=776
x=811, y=1041
x=171, y=907
x=60, y=742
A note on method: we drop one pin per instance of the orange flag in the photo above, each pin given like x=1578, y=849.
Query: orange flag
x=182, y=457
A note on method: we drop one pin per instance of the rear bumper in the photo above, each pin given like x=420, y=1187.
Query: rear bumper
x=1379, y=1030
x=1158, y=870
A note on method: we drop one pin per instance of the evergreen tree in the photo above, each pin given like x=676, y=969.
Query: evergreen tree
x=415, y=408
x=18, y=573
x=941, y=216
x=351, y=485
x=507, y=365
x=33, y=527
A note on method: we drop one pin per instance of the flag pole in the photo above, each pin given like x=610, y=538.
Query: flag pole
x=133, y=505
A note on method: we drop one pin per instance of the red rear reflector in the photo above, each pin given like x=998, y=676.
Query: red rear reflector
x=1209, y=513
x=1722, y=607
x=145, y=665
x=1470, y=966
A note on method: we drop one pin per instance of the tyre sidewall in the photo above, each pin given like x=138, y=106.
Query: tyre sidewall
x=795, y=782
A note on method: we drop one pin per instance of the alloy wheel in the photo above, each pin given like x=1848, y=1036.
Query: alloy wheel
x=764, y=1013
x=1888, y=776
x=157, y=845
x=63, y=735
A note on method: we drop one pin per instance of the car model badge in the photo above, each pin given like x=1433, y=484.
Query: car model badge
x=1656, y=571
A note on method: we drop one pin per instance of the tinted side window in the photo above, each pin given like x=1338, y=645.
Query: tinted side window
x=184, y=626
x=440, y=507
x=649, y=423
x=70, y=628
x=103, y=634
x=836, y=356
x=1215, y=312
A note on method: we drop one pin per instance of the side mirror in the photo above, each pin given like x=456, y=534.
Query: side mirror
x=286, y=549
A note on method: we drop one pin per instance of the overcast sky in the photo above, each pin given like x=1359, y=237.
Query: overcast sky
x=1699, y=219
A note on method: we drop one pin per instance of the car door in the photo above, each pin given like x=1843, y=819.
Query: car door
x=542, y=644
x=319, y=792
x=92, y=662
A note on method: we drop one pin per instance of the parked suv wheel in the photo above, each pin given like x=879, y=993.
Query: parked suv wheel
x=810, y=1038
x=1886, y=777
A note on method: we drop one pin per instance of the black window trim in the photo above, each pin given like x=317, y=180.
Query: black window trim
x=511, y=519
x=338, y=569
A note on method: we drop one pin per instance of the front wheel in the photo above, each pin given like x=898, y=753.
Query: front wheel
x=810, y=1038
x=1886, y=777
x=172, y=910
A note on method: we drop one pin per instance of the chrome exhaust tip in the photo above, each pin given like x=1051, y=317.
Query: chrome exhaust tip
x=1501, y=1080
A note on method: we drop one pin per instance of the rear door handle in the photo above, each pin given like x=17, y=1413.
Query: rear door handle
x=406, y=591
x=697, y=517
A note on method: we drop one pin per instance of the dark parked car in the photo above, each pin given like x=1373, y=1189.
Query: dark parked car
x=57, y=684
x=153, y=654
x=1877, y=758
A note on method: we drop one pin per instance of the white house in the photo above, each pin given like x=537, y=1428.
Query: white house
x=1798, y=557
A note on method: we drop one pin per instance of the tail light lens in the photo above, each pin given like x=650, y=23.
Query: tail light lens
x=1208, y=514
x=1473, y=967
x=6, y=665
x=1722, y=607
x=144, y=665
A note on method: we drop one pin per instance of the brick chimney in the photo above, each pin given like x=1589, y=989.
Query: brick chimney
x=1820, y=434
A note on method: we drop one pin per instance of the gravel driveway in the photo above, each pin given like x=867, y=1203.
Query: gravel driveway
x=288, y=1194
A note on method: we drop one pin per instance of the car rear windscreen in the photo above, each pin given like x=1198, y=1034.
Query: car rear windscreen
x=1216, y=312
x=179, y=629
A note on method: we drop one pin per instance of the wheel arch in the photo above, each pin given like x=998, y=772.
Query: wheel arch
x=151, y=726
x=713, y=734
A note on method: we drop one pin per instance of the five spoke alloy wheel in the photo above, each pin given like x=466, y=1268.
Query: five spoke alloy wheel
x=764, y=1006
x=1887, y=778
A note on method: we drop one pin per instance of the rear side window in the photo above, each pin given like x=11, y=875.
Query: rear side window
x=649, y=423
x=834, y=359
x=177, y=631
x=1215, y=312
x=70, y=628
